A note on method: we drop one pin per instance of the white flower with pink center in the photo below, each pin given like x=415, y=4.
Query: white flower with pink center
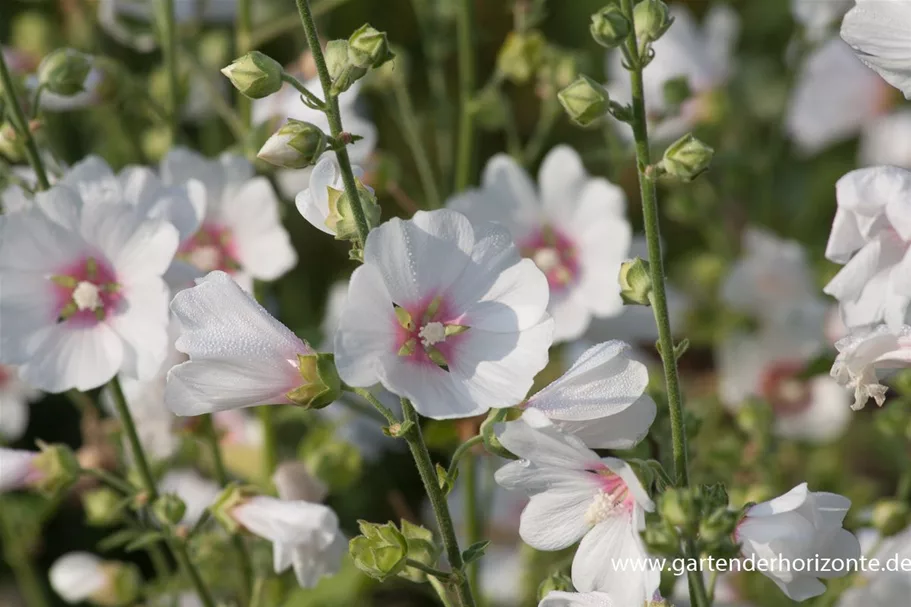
x=83, y=295
x=573, y=227
x=799, y=525
x=236, y=227
x=240, y=356
x=445, y=314
x=871, y=235
x=576, y=495
x=868, y=355
x=17, y=469
x=880, y=34
x=15, y=396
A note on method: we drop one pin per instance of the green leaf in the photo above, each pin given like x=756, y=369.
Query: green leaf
x=117, y=539
x=475, y=551
x=146, y=539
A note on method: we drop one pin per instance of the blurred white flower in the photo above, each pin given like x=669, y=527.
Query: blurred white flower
x=113, y=16
x=868, y=355
x=14, y=197
x=77, y=576
x=576, y=495
x=870, y=235
x=17, y=469
x=883, y=587
x=445, y=314
x=15, y=396
x=601, y=399
x=293, y=481
x=576, y=599
x=880, y=34
x=196, y=491
x=303, y=535
x=313, y=203
x=235, y=226
x=818, y=17
x=573, y=226
x=240, y=356
x=798, y=525
x=82, y=273
x=887, y=141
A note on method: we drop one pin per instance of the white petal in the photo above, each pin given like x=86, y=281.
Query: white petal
x=878, y=31
x=208, y=386
x=788, y=502
x=30, y=242
x=435, y=393
x=196, y=491
x=15, y=467
x=844, y=547
x=555, y=519
x=507, y=184
x=142, y=323
x=573, y=599
x=74, y=357
x=28, y=310
x=76, y=576
x=561, y=177
x=571, y=316
x=546, y=446
x=94, y=180
x=263, y=245
x=623, y=430
x=825, y=419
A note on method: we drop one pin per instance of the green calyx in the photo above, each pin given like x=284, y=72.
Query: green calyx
x=321, y=386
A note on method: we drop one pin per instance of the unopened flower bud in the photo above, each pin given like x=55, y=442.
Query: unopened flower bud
x=489, y=109
x=341, y=218
x=635, y=282
x=555, y=582
x=584, y=100
x=57, y=468
x=103, y=507
x=341, y=70
x=652, y=19
x=295, y=145
x=369, y=47
x=521, y=54
x=255, y=75
x=890, y=516
x=677, y=90
x=421, y=549
x=381, y=550
x=321, y=386
x=610, y=27
x=64, y=72
x=169, y=509
x=687, y=158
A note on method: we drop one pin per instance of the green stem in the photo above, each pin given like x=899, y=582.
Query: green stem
x=297, y=84
x=168, y=28
x=27, y=579
x=278, y=26
x=441, y=575
x=183, y=560
x=235, y=122
x=473, y=526
x=334, y=117
x=242, y=46
x=421, y=455
x=270, y=439
x=22, y=126
x=462, y=451
x=550, y=111
x=412, y=134
x=464, y=26
x=441, y=591
x=370, y=398
x=109, y=479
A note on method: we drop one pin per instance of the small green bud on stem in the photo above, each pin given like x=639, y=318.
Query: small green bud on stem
x=610, y=27
x=635, y=282
x=64, y=72
x=687, y=158
x=255, y=75
x=585, y=100
x=295, y=145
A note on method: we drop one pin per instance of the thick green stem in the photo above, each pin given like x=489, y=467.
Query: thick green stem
x=242, y=45
x=412, y=134
x=270, y=440
x=168, y=29
x=22, y=126
x=334, y=116
x=421, y=455
x=27, y=580
x=465, y=26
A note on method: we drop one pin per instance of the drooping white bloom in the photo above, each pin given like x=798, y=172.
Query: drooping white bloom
x=703, y=54
x=303, y=535
x=818, y=17
x=446, y=314
x=287, y=104
x=887, y=141
x=17, y=469
x=77, y=576
x=601, y=399
x=800, y=524
x=573, y=226
x=576, y=495
x=15, y=396
x=240, y=356
x=871, y=235
x=236, y=228
x=196, y=491
x=313, y=203
x=82, y=282
x=868, y=355
x=834, y=97
x=577, y=599
x=883, y=587
x=880, y=34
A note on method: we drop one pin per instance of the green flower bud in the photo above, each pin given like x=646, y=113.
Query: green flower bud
x=65, y=71
x=677, y=90
x=123, y=585
x=635, y=282
x=421, y=548
x=555, y=582
x=652, y=20
x=521, y=55
x=584, y=100
x=321, y=386
x=255, y=75
x=295, y=145
x=341, y=219
x=368, y=47
x=687, y=158
x=489, y=109
x=103, y=507
x=57, y=469
x=718, y=526
x=341, y=70
x=11, y=145
x=890, y=516
x=610, y=27
x=169, y=509
x=381, y=550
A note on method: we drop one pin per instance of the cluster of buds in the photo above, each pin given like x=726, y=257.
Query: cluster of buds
x=521, y=55
x=697, y=513
x=383, y=551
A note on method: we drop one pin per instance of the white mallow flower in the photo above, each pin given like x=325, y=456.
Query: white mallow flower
x=887, y=141
x=78, y=576
x=240, y=356
x=770, y=365
x=445, y=314
x=799, y=525
x=576, y=495
x=880, y=33
x=601, y=399
x=702, y=54
x=868, y=355
x=573, y=226
x=17, y=469
x=287, y=104
x=313, y=203
x=870, y=235
x=15, y=396
x=304, y=536
x=834, y=98
x=883, y=587
x=83, y=295
x=578, y=599
x=236, y=228
x=818, y=17
x=196, y=491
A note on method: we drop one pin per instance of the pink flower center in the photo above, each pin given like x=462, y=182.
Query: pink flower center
x=555, y=254
x=5, y=376
x=427, y=332
x=86, y=292
x=612, y=499
x=786, y=392
x=211, y=248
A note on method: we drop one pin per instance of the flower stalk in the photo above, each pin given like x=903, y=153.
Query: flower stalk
x=464, y=26
x=22, y=125
x=168, y=28
x=412, y=135
x=242, y=43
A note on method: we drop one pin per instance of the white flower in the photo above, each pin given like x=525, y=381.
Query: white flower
x=77, y=576
x=240, y=356
x=770, y=365
x=95, y=242
x=303, y=535
x=573, y=226
x=17, y=469
x=196, y=491
x=14, y=197
x=433, y=271
x=883, y=587
x=871, y=235
x=798, y=525
x=867, y=355
x=287, y=104
x=601, y=399
x=701, y=54
x=577, y=495
x=236, y=228
x=880, y=34
x=15, y=396
x=835, y=96
x=887, y=141
x=294, y=482
x=819, y=16
x=575, y=599
x=313, y=203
